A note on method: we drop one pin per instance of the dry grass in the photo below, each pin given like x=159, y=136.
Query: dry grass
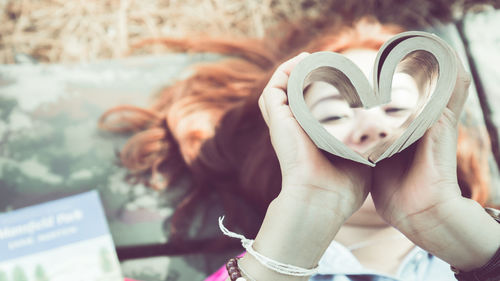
x=71, y=30
x=84, y=30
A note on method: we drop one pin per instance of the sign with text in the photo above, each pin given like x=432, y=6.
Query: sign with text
x=66, y=239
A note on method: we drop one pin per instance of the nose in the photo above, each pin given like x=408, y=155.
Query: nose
x=370, y=129
x=370, y=135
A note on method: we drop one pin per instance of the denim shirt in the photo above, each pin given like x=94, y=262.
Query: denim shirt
x=339, y=264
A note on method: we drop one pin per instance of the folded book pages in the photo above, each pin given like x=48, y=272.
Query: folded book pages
x=424, y=56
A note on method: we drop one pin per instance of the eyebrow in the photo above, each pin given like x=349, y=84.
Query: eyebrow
x=331, y=97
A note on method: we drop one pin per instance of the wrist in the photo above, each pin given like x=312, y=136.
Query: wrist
x=340, y=203
x=294, y=232
x=458, y=231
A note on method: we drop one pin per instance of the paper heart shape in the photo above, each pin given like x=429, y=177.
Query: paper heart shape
x=342, y=73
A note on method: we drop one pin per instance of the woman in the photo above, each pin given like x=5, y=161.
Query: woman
x=210, y=123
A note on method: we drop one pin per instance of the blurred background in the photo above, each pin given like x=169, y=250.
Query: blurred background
x=64, y=62
x=76, y=31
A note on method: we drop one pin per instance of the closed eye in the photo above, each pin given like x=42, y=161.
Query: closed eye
x=395, y=110
x=332, y=118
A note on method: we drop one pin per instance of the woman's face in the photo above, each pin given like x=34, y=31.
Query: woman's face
x=358, y=128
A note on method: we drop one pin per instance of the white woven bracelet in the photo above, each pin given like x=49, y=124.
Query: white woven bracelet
x=276, y=266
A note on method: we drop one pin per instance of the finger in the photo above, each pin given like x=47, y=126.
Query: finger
x=278, y=80
x=274, y=98
x=280, y=76
x=275, y=102
x=263, y=110
x=461, y=90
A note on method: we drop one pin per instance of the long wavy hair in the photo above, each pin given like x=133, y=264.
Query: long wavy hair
x=209, y=123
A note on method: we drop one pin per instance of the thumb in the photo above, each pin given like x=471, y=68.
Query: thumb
x=460, y=92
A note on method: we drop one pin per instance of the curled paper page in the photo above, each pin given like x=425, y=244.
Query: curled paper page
x=418, y=54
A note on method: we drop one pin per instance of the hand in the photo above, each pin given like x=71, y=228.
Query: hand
x=316, y=197
x=305, y=169
x=417, y=192
x=422, y=178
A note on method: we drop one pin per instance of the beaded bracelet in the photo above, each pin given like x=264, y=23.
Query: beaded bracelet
x=233, y=270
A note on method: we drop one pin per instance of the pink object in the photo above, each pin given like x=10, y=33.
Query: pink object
x=221, y=274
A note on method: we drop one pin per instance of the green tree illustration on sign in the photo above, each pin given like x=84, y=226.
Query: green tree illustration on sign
x=40, y=274
x=106, y=263
x=19, y=274
x=3, y=276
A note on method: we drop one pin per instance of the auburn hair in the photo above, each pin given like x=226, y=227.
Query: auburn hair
x=209, y=123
